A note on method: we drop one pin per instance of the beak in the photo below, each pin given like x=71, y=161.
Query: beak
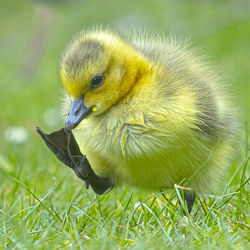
x=77, y=113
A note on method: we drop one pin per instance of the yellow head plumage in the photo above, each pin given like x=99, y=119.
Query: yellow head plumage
x=102, y=68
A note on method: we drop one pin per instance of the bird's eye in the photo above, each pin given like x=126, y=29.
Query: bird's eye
x=97, y=81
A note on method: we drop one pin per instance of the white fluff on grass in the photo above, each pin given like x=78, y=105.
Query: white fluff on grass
x=16, y=134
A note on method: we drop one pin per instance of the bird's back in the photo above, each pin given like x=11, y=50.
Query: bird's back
x=183, y=66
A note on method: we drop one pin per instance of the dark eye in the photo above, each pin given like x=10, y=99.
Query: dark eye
x=97, y=81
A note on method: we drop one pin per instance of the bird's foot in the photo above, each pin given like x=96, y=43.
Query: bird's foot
x=63, y=144
x=189, y=197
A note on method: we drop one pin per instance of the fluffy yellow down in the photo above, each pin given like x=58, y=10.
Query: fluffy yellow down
x=161, y=114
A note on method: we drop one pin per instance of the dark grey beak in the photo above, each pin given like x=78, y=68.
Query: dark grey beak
x=77, y=113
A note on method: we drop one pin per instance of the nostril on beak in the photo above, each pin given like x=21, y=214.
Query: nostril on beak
x=76, y=112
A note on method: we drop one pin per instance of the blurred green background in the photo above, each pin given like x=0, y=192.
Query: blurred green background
x=33, y=34
x=32, y=37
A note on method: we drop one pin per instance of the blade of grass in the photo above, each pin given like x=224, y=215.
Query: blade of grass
x=55, y=216
x=243, y=165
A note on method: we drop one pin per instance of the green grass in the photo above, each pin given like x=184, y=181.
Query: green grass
x=42, y=204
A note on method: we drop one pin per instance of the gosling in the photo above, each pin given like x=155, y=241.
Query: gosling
x=147, y=112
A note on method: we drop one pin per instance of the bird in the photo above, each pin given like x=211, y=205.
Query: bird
x=147, y=110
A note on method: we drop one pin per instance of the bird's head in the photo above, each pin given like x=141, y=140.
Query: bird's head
x=97, y=70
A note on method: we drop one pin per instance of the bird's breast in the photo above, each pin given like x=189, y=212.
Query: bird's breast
x=139, y=154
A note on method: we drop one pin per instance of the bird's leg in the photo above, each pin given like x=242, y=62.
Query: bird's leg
x=63, y=144
x=189, y=197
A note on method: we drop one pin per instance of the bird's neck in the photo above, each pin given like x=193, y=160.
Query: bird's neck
x=137, y=71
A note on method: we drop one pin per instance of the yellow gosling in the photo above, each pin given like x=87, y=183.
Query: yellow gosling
x=159, y=116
